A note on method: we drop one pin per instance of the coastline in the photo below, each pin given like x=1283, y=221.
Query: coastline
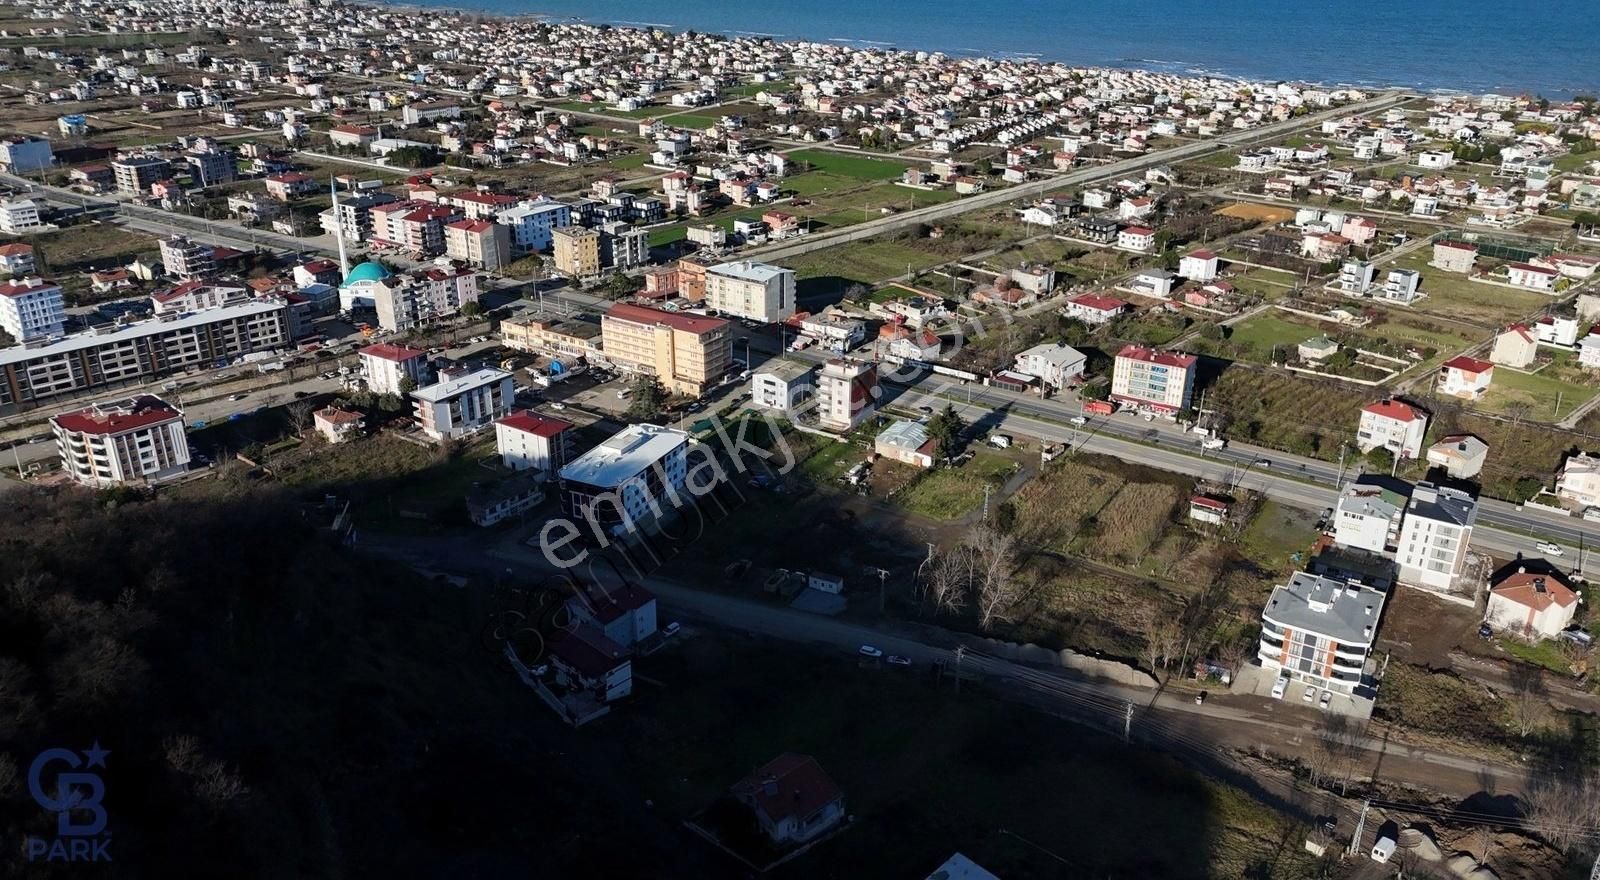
x=1212, y=69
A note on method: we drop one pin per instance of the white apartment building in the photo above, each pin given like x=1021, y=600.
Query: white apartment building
x=1148, y=378
x=404, y=302
x=1319, y=631
x=1054, y=364
x=1435, y=536
x=31, y=308
x=388, y=368
x=533, y=223
x=137, y=440
x=1579, y=480
x=1393, y=425
x=1369, y=515
x=458, y=405
x=747, y=289
x=847, y=394
x=527, y=440
x=632, y=479
x=781, y=385
x=19, y=216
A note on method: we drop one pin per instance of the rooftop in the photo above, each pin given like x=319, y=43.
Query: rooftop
x=391, y=352
x=118, y=417
x=696, y=324
x=1344, y=611
x=1443, y=504
x=624, y=456
x=789, y=786
x=1154, y=356
x=750, y=270
x=18, y=354
x=441, y=391
x=531, y=422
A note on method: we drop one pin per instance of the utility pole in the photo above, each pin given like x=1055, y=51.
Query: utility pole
x=1340, y=482
x=1127, y=723
x=986, y=502
x=883, y=576
x=1361, y=825
x=961, y=653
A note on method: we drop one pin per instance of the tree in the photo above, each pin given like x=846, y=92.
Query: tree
x=1380, y=460
x=407, y=385
x=994, y=588
x=945, y=430
x=647, y=398
x=1527, y=698
x=299, y=414
x=946, y=578
x=472, y=309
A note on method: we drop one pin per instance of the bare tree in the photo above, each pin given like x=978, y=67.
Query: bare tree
x=946, y=579
x=1562, y=808
x=1161, y=643
x=1517, y=410
x=1527, y=697
x=1232, y=653
x=994, y=588
x=299, y=414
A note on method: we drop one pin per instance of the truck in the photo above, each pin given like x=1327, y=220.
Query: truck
x=270, y=366
x=1099, y=407
x=1213, y=443
x=1000, y=441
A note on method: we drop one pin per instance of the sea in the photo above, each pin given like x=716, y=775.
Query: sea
x=1541, y=47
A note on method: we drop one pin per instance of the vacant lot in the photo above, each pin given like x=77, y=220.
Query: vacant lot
x=1258, y=213
x=91, y=246
x=1533, y=396
x=933, y=771
x=948, y=493
x=1304, y=416
x=1451, y=295
x=833, y=270
x=1255, y=338
x=859, y=167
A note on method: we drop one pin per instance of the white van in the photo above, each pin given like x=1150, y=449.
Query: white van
x=1000, y=441
x=1383, y=849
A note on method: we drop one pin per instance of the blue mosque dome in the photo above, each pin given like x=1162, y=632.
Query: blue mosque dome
x=368, y=271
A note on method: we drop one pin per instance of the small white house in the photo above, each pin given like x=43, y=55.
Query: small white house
x=1531, y=605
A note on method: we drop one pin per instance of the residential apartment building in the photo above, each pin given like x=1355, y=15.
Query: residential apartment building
x=576, y=251
x=1147, y=378
x=394, y=369
x=748, y=289
x=1052, y=363
x=478, y=243
x=416, y=226
x=571, y=338
x=688, y=353
x=1393, y=425
x=630, y=480
x=623, y=246
x=461, y=403
x=16, y=259
x=351, y=216
x=1319, y=631
x=192, y=296
x=211, y=167
x=527, y=440
x=1465, y=377
x=1579, y=480
x=782, y=385
x=1434, y=538
x=847, y=394
x=404, y=302
x=1369, y=514
x=182, y=257
x=290, y=185
x=1515, y=347
x=137, y=440
x=533, y=224
x=31, y=308
x=140, y=351
x=135, y=175
x=20, y=216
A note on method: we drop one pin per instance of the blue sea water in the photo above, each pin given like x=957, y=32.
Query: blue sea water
x=1548, y=47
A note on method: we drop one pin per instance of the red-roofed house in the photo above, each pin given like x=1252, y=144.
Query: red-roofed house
x=527, y=440
x=1393, y=425
x=31, y=308
x=388, y=367
x=626, y=614
x=793, y=799
x=317, y=272
x=137, y=440
x=336, y=425
x=1136, y=238
x=1199, y=266
x=586, y=661
x=1092, y=308
x=1515, y=347
x=1531, y=605
x=1465, y=377
x=16, y=258
x=290, y=185
x=1531, y=277
x=352, y=135
x=1207, y=509
x=1151, y=379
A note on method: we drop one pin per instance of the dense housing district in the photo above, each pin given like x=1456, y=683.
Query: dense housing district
x=1254, y=422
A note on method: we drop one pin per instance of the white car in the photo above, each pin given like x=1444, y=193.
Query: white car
x=1278, y=687
x=869, y=652
x=1310, y=696
x=1549, y=548
x=670, y=630
x=897, y=660
x=1080, y=421
x=1327, y=697
x=557, y=405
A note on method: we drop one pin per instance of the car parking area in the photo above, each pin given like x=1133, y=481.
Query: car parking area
x=1256, y=680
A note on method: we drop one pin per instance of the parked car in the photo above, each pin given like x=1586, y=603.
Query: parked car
x=239, y=396
x=1000, y=441
x=1279, y=686
x=1263, y=463
x=1549, y=548
x=557, y=405
x=1485, y=631
x=1310, y=696
x=670, y=629
x=1327, y=698
x=869, y=652
x=897, y=660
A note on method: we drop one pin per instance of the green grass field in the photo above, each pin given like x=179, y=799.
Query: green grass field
x=864, y=262
x=1538, y=392
x=859, y=167
x=1267, y=330
x=1453, y=296
x=948, y=493
x=1576, y=161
